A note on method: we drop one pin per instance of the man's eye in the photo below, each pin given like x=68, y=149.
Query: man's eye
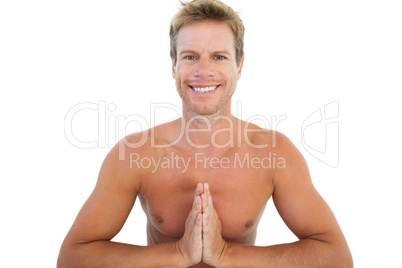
x=190, y=58
x=219, y=57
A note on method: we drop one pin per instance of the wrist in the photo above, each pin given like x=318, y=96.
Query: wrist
x=225, y=259
x=181, y=259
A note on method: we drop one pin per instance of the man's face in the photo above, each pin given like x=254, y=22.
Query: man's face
x=206, y=72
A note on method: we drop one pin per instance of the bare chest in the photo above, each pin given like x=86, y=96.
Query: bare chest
x=239, y=193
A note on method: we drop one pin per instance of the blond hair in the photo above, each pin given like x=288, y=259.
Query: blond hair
x=207, y=10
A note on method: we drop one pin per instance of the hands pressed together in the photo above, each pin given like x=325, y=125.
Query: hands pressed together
x=202, y=239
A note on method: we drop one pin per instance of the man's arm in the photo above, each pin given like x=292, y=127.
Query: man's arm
x=103, y=215
x=321, y=242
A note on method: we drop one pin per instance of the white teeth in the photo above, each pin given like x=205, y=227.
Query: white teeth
x=204, y=89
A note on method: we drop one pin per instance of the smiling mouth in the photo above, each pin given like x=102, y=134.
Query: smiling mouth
x=205, y=89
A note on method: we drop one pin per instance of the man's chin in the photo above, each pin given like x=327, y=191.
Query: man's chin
x=203, y=111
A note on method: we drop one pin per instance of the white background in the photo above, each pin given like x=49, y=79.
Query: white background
x=300, y=56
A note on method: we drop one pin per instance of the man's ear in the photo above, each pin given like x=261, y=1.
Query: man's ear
x=173, y=68
x=240, y=68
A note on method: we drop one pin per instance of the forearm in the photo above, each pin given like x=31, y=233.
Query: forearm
x=304, y=253
x=112, y=254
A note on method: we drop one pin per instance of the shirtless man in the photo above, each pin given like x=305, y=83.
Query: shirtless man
x=205, y=213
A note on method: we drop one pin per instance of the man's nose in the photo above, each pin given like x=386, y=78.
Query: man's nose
x=204, y=68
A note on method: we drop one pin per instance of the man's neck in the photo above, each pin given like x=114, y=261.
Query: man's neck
x=214, y=131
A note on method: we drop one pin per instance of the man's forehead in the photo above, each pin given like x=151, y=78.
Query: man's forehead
x=217, y=36
x=212, y=27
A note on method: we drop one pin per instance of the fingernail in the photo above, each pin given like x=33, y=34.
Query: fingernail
x=198, y=187
x=196, y=200
x=198, y=216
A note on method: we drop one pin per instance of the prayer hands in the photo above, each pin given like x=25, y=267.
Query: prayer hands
x=190, y=245
x=202, y=239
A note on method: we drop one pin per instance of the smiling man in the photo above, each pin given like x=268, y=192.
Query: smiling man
x=204, y=180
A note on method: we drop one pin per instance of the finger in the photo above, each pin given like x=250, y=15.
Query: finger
x=204, y=203
x=207, y=200
x=205, y=220
x=192, y=217
x=197, y=203
x=206, y=189
x=200, y=189
x=198, y=222
x=197, y=225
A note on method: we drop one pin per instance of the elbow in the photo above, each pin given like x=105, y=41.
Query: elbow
x=336, y=254
x=347, y=255
x=62, y=260
x=343, y=258
x=337, y=260
x=339, y=254
x=345, y=263
x=348, y=261
x=66, y=256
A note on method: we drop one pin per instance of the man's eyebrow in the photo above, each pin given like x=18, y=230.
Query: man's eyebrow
x=187, y=51
x=222, y=52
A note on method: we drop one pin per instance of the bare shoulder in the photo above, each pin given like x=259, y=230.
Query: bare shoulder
x=143, y=141
x=147, y=143
x=155, y=137
x=260, y=137
x=116, y=171
x=295, y=165
x=278, y=145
